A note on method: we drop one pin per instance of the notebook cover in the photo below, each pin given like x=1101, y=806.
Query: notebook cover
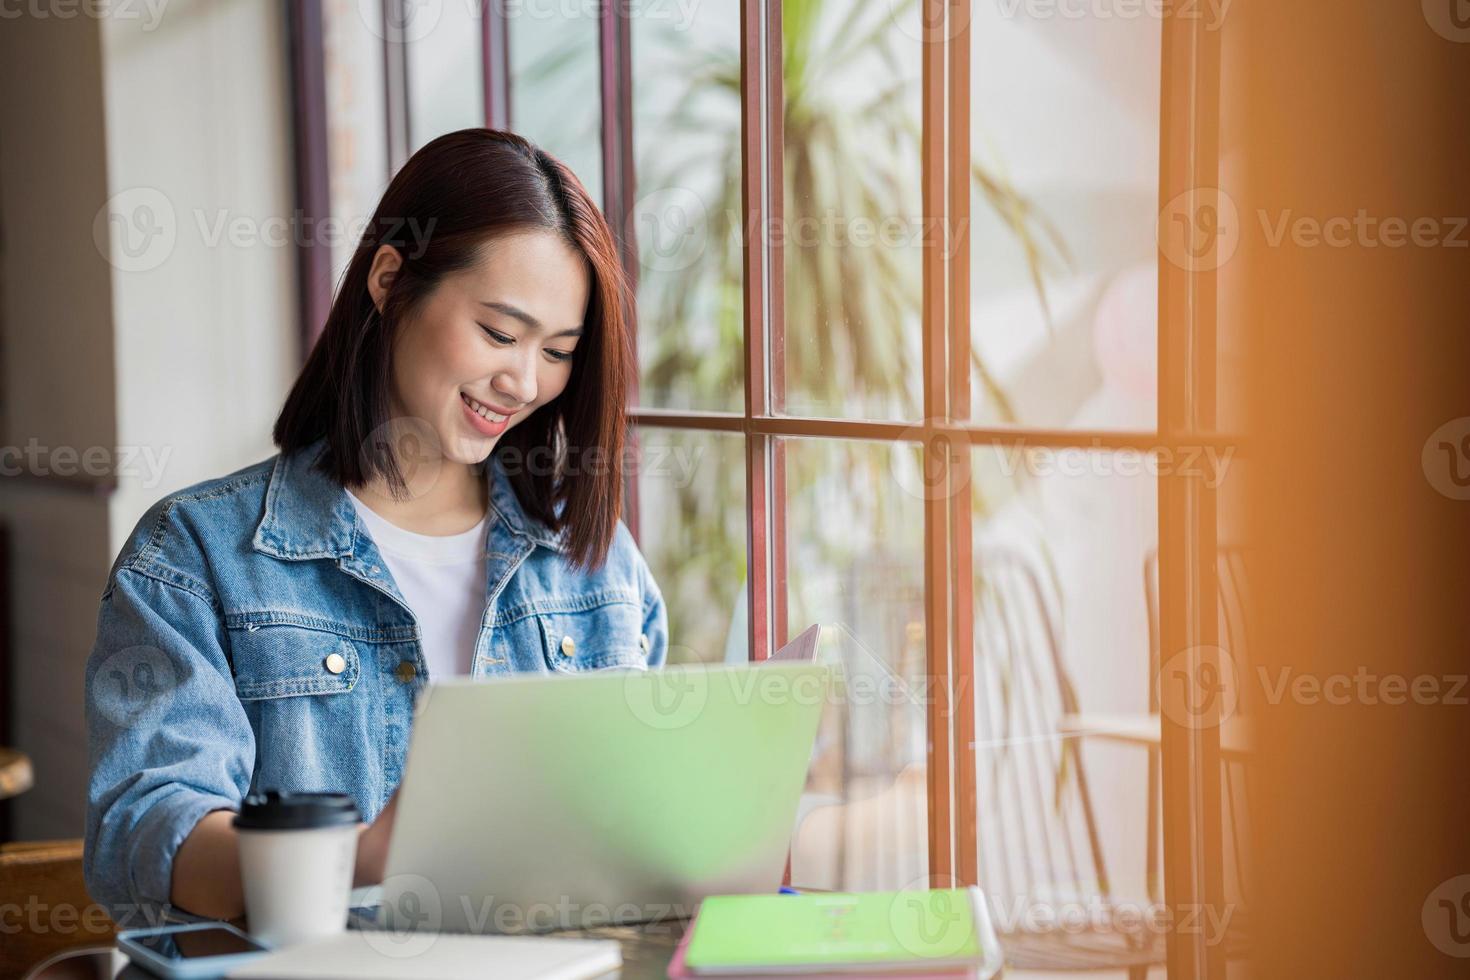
x=678, y=971
x=913, y=933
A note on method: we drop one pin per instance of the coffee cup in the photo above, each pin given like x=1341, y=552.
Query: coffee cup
x=297, y=854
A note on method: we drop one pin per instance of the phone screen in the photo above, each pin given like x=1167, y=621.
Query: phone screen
x=196, y=943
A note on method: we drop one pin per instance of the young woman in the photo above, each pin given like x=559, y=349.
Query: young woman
x=445, y=502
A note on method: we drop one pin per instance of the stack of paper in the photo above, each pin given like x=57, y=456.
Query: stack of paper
x=429, y=956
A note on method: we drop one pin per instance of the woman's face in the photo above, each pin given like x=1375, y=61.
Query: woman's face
x=491, y=344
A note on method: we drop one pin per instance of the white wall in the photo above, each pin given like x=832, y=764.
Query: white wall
x=167, y=343
x=198, y=111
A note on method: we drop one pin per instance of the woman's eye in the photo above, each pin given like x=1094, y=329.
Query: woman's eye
x=497, y=336
x=559, y=355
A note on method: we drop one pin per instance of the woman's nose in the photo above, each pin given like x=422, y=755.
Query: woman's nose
x=518, y=382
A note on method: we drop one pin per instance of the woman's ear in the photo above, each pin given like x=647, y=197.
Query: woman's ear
x=386, y=263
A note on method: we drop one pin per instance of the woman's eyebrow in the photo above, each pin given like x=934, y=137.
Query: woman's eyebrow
x=528, y=319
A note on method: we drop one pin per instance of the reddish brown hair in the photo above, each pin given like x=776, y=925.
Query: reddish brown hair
x=448, y=201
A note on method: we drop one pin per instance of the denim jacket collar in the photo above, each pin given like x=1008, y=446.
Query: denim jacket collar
x=308, y=515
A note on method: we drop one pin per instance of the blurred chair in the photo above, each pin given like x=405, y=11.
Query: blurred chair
x=42, y=881
x=1039, y=847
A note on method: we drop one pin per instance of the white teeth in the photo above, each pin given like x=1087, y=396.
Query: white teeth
x=484, y=413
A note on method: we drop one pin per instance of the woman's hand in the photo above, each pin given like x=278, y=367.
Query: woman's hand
x=372, y=846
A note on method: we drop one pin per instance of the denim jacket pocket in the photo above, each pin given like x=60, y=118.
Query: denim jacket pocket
x=282, y=661
x=605, y=636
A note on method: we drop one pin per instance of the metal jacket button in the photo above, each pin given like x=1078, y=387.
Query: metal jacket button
x=335, y=663
x=568, y=645
x=406, y=671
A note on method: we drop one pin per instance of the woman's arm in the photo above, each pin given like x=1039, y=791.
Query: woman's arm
x=169, y=742
x=206, y=872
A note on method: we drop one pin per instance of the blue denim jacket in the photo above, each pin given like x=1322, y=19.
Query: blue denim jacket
x=251, y=637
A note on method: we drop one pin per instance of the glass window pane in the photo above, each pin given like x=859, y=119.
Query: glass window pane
x=555, y=85
x=686, y=132
x=1065, y=140
x=852, y=233
x=691, y=528
x=855, y=565
x=1065, y=544
x=357, y=147
x=446, y=89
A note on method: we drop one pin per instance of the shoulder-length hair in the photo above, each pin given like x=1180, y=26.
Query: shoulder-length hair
x=452, y=197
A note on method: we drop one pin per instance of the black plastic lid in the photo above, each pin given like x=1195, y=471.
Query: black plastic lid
x=275, y=810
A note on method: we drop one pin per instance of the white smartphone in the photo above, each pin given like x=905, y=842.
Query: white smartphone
x=190, y=952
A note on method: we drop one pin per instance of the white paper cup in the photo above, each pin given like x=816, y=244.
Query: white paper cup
x=297, y=854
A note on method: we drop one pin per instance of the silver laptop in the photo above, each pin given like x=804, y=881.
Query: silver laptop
x=534, y=802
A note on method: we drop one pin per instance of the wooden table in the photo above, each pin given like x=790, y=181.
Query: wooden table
x=647, y=950
x=15, y=773
x=1237, y=735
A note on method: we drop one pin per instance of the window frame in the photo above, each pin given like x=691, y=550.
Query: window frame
x=1187, y=329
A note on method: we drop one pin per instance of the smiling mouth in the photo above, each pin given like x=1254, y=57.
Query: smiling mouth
x=484, y=411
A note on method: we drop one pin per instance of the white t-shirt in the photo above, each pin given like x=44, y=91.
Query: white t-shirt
x=443, y=579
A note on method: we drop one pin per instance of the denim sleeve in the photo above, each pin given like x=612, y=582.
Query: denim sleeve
x=168, y=740
x=655, y=617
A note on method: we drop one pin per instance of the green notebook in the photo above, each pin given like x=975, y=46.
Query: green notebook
x=819, y=932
